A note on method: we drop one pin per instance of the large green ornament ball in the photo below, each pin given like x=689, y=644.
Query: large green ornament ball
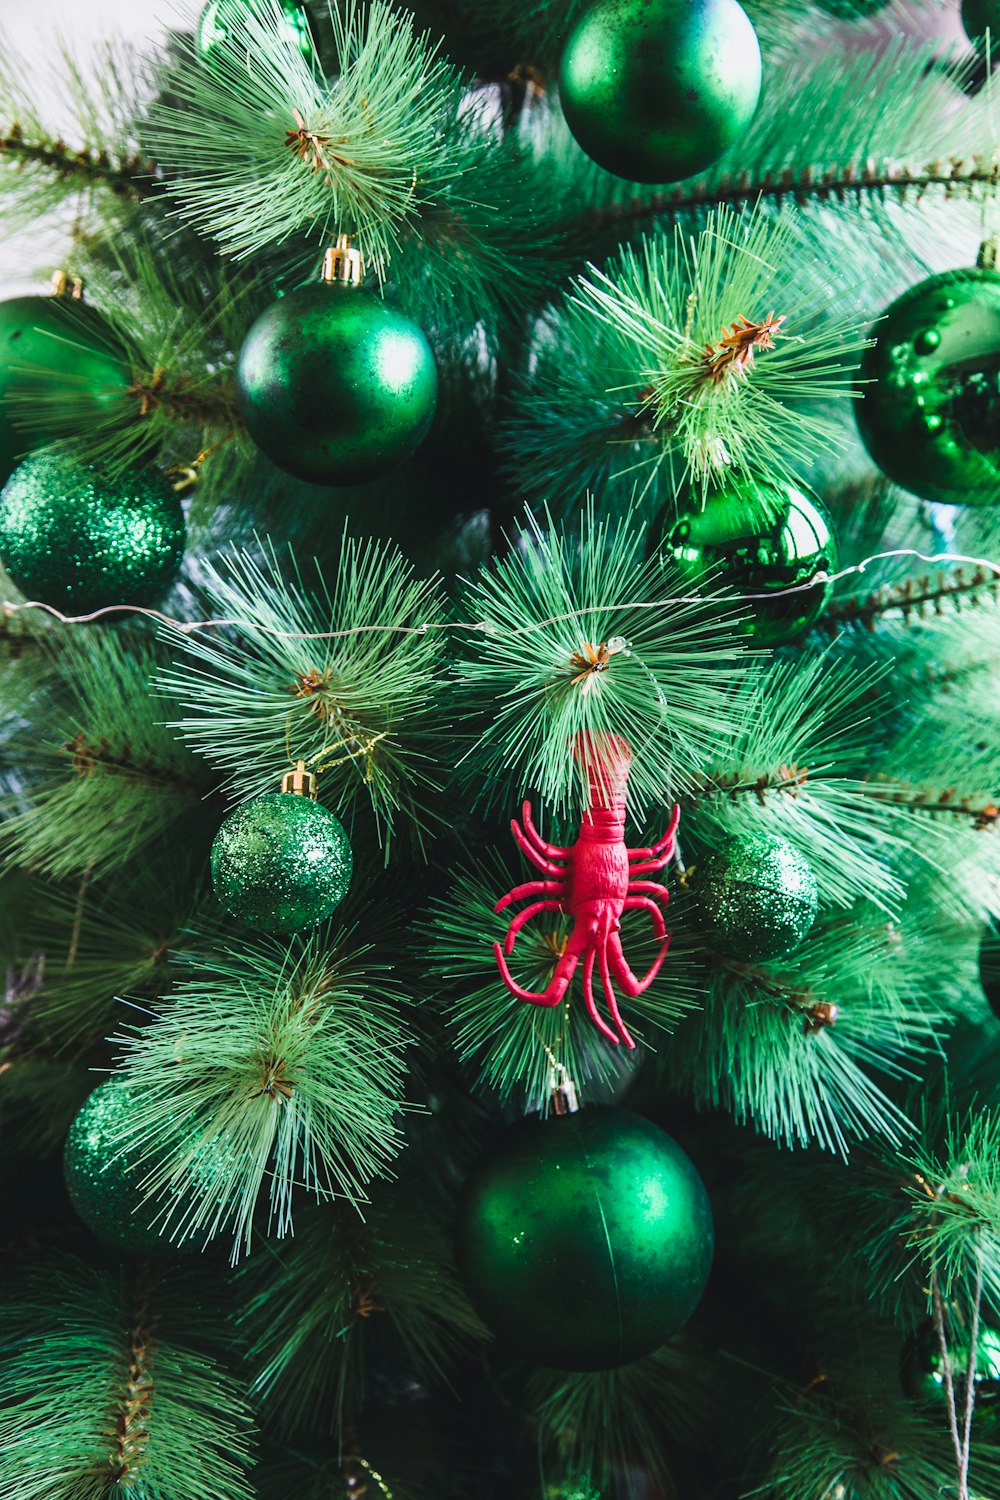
x=79, y=540
x=214, y=33
x=758, y=539
x=989, y=968
x=757, y=897
x=585, y=1240
x=930, y=412
x=978, y=18
x=335, y=386
x=54, y=344
x=656, y=90
x=281, y=863
x=923, y=1372
x=102, y=1182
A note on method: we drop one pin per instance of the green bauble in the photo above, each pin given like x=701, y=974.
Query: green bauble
x=656, y=90
x=930, y=413
x=852, y=10
x=214, y=31
x=335, y=386
x=585, y=1240
x=103, y=1184
x=922, y=1372
x=978, y=18
x=281, y=863
x=78, y=540
x=756, y=538
x=989, y=968
x=57, y=345
x=757, y=897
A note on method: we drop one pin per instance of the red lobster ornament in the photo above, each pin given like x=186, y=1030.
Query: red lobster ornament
x=593, y=882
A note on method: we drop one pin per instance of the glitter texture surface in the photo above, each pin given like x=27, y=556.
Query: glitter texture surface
x=102, y=1186
x=281, y=863
x=757, y=897
x=79, y=541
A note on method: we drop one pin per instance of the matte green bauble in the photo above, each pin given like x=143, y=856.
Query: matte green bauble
x=757, y=897
x=923, y=1375
x=74, y=538
x=281, y=863
x=585, y=1240
x=103, y=1182
x=989, y=968
x=978, y=18
x=335, y=386
x=55, y=344
x=214, y=32
x=930, y=412
x=758, y=539
x=656, y=90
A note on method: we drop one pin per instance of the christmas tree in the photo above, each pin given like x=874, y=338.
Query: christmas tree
x=501, y=758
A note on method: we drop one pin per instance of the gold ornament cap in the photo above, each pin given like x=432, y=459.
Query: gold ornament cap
x=562, y=1091
x=65, y=285
x=300, y=782
x=342, y=262
x=989, y=253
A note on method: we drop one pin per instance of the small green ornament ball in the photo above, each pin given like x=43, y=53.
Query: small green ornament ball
x=929, y=414
x=922, y=1372
x=757, y=897
x=54, y=343
x=103, y=1184
x=978, y=18
x=335, y=386
x=755, y=538
x=79, y=540
x=216, y=24
x=585, y=1240
x=656, y=90
x=281, y=863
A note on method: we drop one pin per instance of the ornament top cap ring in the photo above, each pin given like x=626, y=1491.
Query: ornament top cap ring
x=342, y=262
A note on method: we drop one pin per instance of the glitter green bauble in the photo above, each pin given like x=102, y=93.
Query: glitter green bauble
x=336, y=386
x=59, y=347
x=79, y=540
x=923, y=1375
x=930, y=412
x=585, y=1240
x=216, y=24
x=281, y=863
x=102, y=1182
x=758, y=539
x=978, y=18
x=656, y=90
x=756, y=896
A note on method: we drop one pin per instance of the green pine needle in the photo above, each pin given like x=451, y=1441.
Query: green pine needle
x=667, y=687
x=359, y=708
x=631, y=377
x=269, y=1068
x=514, y=1045
x=260, y=148
x=312, y=1307
x=105, y=1395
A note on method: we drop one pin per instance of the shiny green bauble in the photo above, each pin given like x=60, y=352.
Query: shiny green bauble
x=757, y=897
x=758, y=539
x=930, y=412
x=54, y=345
x=74, y=538
x=923, y=1372
x=103, y=1182
x=281, y=863
x=656, y=90
x=585, y=1240
x=217, y=22
x=335, y=386
x=978, y=18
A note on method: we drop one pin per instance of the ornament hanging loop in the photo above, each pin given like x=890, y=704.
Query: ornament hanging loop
x=301, y=782
x=342, y=262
